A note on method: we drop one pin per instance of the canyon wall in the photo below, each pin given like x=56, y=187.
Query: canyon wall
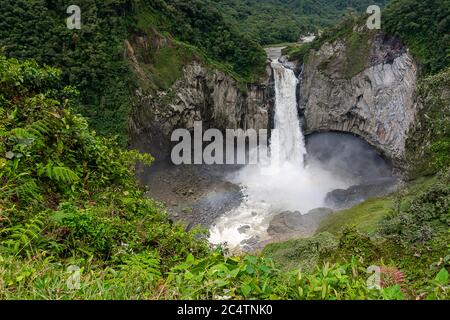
x=202, y=93
x=364, y=85
x=367, y=89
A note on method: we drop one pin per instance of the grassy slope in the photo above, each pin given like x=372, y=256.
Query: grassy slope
x=364, y=216
x=305, y=254
x=367, y=215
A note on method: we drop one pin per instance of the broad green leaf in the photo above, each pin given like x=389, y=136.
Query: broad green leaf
x=442, y=277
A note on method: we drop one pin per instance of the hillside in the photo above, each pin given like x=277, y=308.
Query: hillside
x=92, y=58
x=70, y=198
x=278, y=21
x=75, y=221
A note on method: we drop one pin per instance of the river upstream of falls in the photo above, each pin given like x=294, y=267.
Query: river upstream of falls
x=301, y=181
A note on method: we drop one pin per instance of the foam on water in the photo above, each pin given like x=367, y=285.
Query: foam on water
x=281, y=181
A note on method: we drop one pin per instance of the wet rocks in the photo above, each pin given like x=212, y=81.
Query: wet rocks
x=341, y=199
x=289, y=224
x=216, y=203
x=244, y=228
x=251, y=244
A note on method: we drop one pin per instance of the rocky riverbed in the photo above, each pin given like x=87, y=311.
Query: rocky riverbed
x=194, y=194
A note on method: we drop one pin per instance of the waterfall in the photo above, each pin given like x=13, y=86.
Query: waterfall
x=288, y=143
x=280, y=183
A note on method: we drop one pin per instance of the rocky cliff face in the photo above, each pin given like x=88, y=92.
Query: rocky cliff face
x=200, y=94
x=365, y=87
x=375, y=102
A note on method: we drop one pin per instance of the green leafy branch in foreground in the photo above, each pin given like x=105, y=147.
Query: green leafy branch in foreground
x=81, y=186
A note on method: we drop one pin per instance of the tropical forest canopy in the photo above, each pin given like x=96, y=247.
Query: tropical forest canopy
x=278, y=21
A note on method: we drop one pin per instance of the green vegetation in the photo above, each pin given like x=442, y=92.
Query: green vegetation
x=358, y=49
x=67, y=194
x=91, y=59
x=407, y=232
x=423, y=218
x=424, y=27
x=69, y=198
x=364, y=216
x=357, y=41
x=278, y=21
x=428, y=145
x=199, y=24
x=163, y=66
x=431, y=135
x=367, y=215
x=305, y=254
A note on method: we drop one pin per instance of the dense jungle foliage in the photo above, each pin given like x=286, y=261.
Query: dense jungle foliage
x=279, y=21
x=200, y=24
x=424, y=26
x=91, y=59
x=74, y=224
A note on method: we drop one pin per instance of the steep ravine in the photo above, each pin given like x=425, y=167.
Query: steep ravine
x=377, y=103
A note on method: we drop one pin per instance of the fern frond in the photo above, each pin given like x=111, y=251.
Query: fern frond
x=61, y=174
x=21, y=237
x=22, y=133
x=27, y=189
x=41, y=127
x=22, y=186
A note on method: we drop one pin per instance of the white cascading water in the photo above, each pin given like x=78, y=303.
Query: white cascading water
x=280, y=183
x=288, y=143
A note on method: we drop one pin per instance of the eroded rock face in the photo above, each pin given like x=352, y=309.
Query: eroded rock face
x=377, y=103
x=201, y=94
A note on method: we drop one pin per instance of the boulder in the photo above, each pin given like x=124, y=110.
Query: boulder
x=289, y=224
x=346, y=198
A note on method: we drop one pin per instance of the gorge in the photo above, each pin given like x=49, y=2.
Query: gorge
x=355, y=178
x=242, y=203
x=377, y=101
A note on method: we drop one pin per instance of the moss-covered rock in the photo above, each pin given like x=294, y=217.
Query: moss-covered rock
x=428, y=145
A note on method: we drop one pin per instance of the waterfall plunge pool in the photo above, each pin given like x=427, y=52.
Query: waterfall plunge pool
x=307, y=179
